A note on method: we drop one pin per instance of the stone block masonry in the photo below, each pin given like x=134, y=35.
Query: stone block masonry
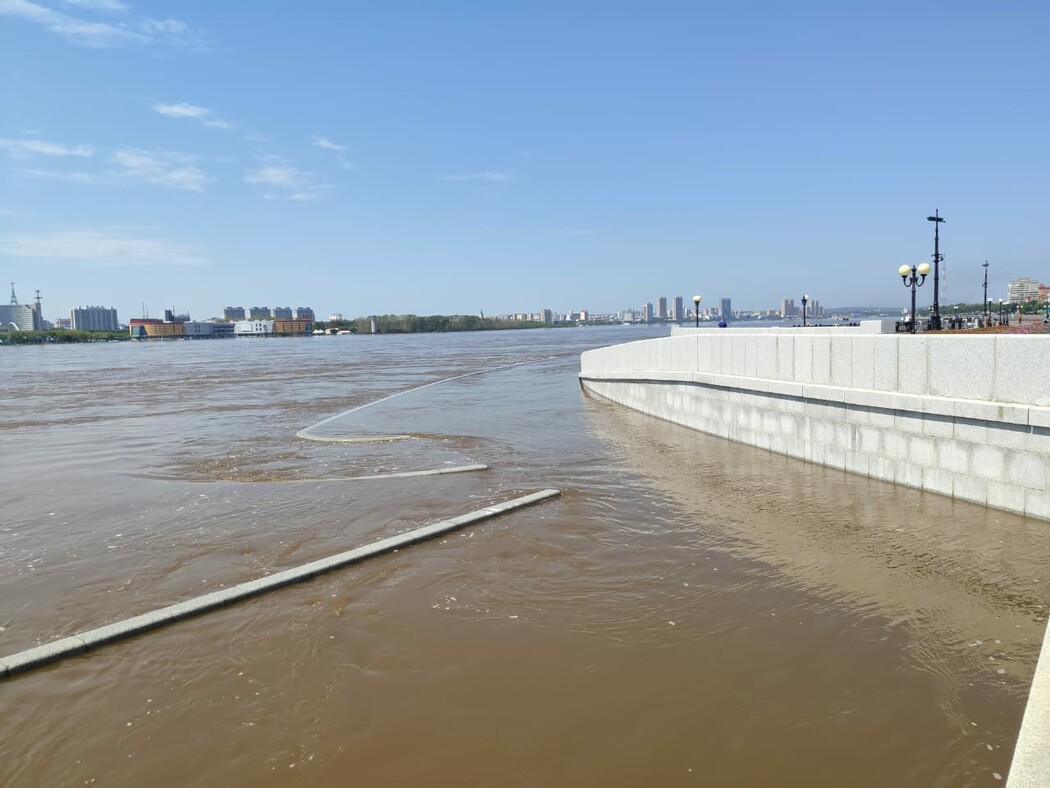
x=957, y=415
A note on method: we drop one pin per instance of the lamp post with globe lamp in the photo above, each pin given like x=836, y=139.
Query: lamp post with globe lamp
x=696, y=308
x=913, y=276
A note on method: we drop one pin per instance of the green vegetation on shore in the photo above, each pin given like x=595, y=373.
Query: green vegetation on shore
x=60, y=335
x=418, y=324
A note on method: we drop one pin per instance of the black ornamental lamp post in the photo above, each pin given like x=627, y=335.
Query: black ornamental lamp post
x=988, y=315
x=696, y=307
x=805, y=299
x=914, y=276
x=935, y=313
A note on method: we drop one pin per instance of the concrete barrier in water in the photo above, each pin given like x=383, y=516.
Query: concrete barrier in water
x=966, y=416
x=76, y=644
x=1031, y=762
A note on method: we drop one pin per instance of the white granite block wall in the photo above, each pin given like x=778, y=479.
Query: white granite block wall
x=966, y=416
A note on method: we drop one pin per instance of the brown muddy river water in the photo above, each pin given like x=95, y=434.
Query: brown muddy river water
x=690, y=612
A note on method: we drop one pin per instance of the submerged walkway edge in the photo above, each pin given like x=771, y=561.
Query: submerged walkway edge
x=79, y=643
x=1031, y=761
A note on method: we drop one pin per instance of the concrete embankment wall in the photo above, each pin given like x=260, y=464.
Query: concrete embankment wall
x=961, y=415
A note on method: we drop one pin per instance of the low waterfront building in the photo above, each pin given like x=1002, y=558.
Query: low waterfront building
x=266, y=328
x=253, y=328
x=198, y=330
x=221, y=330
x=154, y=328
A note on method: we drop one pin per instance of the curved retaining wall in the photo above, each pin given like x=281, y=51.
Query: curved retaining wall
x=961, y=415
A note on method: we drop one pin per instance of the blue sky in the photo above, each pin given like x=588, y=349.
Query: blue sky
x=440, y=157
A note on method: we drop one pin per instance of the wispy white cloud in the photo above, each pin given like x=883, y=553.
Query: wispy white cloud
x=164, y=168
x=339, y=150
x=111, y=246
x=286, y=182
x=185, y=110
x=110, y=6
x=182, y=110
x=490, y=177
x=286, y=177
x=79, y=30
x=24, y=148
x=61, y=175
x=327, y=144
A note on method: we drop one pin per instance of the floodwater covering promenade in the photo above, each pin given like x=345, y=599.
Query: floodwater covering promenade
x=690, y=611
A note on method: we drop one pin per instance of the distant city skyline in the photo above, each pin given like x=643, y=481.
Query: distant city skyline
x=426, y=158
x=662, y=308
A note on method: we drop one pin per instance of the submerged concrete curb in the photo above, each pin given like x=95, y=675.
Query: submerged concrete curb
x=76, y=644
x=1031, y=762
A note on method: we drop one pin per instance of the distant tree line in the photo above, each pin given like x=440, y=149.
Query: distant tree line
x=419, y=324
x=60, y=335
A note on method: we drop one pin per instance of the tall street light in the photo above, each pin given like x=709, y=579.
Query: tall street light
x=805, y=298
x=1000, y=311
x=696, y=307
x=914, y=276
x=935, y=314
x=985, y=267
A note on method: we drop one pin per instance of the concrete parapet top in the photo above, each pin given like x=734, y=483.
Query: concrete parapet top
x=1007, y=370
x=1021, y=415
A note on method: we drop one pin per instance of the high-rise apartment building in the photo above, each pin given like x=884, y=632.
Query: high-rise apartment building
x=787, y=308
x=233, y=313
x=678, y=309
x=661, y=307
x=725, y=309
x=647, y=313
x=282, y=313
x=304, y=313
x=335, y=317
x=1023, y=289
x=259, y=313
x=547, y=316
x=94, y=318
